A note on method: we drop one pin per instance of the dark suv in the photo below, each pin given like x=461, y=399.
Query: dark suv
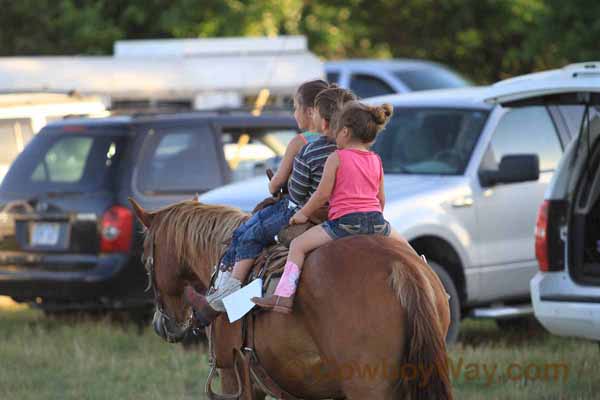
x=68, y=239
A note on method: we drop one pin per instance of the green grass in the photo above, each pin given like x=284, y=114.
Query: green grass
x=44, y=358
x=533, y=354
x=47, y=358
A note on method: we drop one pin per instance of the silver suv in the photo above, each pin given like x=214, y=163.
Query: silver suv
x=566, y=291
x=464, y=179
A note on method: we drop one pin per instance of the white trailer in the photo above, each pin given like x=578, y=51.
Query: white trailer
x=204, y=73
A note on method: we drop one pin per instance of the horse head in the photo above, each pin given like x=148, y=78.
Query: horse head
x=182, y=242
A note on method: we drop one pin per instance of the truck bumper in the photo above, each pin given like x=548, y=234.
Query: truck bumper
x=560, y=313
x=112, y=281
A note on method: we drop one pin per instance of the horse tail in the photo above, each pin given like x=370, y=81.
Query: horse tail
x=425, y=342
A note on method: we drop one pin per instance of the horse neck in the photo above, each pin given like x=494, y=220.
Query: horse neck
x=211, y=243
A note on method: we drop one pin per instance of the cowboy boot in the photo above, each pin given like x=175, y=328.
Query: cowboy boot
x=204, y=314
x=282, y=300
x=275, y=303
x=207, y=308
x=224, y=289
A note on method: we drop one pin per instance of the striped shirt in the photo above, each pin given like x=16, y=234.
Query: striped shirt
x=308, y=169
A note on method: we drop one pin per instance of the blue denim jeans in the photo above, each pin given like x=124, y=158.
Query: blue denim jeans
x=258, y=232
x=359, y=223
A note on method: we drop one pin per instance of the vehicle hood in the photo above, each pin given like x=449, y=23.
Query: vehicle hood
x=244, y=194
x=398, y=188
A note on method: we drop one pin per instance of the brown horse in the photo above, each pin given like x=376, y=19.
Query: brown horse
x=369, y=321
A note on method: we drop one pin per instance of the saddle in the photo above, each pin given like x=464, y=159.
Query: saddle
x=269, y=264
x=245, y=361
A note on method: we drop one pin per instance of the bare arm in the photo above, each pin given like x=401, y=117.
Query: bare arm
x=381, y=194
x=323, y=192
x=285, y=167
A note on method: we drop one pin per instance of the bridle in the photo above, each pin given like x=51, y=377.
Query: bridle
x=188, y=323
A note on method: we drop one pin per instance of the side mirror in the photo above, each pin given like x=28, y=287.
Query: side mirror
x=512, y=169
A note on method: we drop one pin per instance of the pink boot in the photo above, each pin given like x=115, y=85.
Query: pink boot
x=283, y=299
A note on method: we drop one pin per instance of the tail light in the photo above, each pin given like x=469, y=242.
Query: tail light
x=541, y=237
x=116, y=230
x=549, y=245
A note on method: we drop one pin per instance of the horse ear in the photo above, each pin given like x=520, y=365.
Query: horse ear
x=144, y=217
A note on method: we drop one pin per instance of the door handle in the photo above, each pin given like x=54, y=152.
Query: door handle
x=463, y=201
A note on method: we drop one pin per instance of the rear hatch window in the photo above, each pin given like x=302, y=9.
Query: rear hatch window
x=55, y=196
x=65, y=163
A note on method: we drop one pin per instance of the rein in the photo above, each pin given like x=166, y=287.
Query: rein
x=244, y=359
x=149, y=266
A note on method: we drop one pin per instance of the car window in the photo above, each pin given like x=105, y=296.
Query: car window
x=369, y=86
x=333, y=77
x=179, y=160
x=70, y=162
x=430, y=78
x=65, y=161
x=573, y=115
x=526, y=130
x=249, y=152
x=430, y=141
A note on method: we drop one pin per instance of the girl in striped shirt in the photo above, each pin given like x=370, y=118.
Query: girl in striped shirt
x=260, y=230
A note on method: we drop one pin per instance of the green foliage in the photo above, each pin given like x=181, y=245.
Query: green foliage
x=484, y=39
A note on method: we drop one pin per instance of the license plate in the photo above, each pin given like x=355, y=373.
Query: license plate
x=45, y=234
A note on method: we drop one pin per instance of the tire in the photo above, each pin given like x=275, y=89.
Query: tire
x=523, y=324
x=454, y=301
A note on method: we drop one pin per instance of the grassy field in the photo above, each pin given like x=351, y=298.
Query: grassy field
x=46, y=358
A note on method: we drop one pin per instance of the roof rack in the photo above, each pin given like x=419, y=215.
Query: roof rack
x=142, y=112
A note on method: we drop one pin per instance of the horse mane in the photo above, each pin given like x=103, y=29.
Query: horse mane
x=196, y=232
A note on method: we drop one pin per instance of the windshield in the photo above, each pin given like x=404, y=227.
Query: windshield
x=431, y=141
x=431, y=78
x=65, y=163
x=249, y=152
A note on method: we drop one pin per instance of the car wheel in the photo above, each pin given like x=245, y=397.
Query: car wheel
x=454, y=301
x=525, y=324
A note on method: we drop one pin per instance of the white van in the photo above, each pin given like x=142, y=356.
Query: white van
x=23, y=115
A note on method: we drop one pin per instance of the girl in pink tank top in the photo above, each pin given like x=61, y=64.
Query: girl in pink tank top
x=352, y=182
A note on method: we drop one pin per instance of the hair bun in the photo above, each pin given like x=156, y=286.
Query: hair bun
x=382, y=113
x=333, y=86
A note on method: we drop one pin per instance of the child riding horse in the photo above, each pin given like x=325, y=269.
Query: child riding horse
x=260, y=230
x=353, y=184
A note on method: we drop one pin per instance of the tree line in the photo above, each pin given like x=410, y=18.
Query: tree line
x=485, y=40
